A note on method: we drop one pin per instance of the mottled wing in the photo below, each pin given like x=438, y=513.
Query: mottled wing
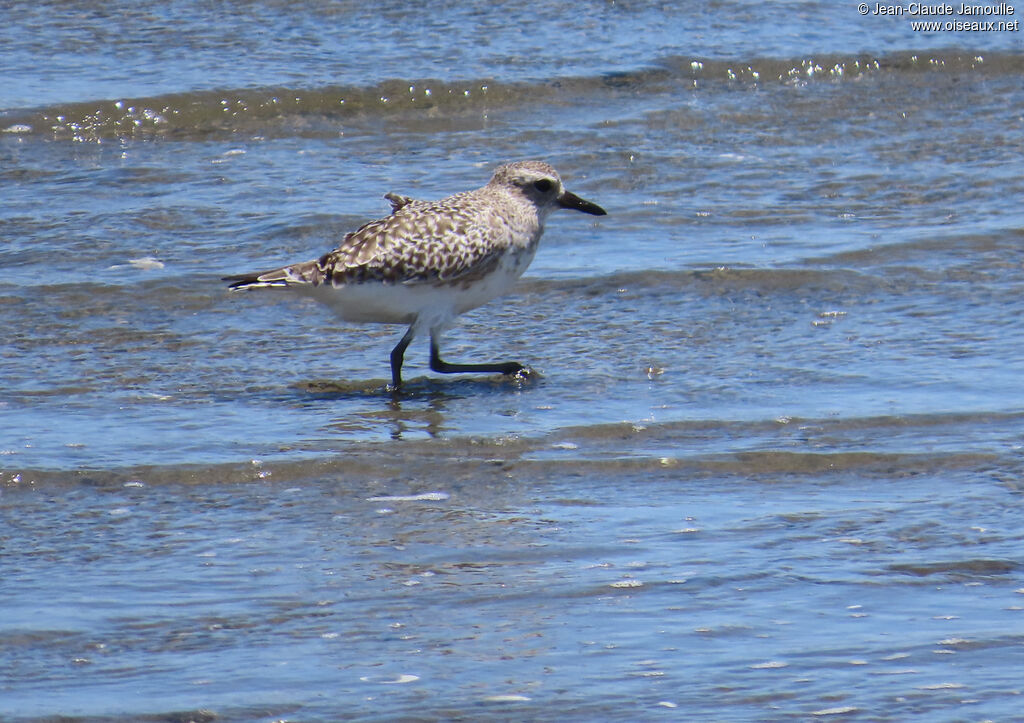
x=420, y=242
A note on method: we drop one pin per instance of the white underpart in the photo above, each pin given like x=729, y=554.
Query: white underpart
x=428, y=306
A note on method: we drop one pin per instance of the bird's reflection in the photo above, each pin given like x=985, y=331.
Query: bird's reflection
x=421, y=407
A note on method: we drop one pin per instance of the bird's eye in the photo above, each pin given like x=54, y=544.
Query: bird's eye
x=543, y=185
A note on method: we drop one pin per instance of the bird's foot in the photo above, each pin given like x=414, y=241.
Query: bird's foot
x=521, y=374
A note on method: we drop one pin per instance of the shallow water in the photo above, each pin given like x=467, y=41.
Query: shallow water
x=769, y=466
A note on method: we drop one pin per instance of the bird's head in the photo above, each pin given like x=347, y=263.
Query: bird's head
x=541, y=184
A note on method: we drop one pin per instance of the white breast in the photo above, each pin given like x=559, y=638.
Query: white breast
x=429, y=305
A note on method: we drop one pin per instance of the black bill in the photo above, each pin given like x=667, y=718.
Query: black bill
x=571, y=200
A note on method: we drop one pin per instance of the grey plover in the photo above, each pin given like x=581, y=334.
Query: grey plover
x=430, y=261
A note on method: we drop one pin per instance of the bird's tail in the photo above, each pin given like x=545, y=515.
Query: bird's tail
x=309, y=273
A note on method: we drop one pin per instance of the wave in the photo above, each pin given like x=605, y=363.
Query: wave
x=846, y=67
x=276, y=111
x=756, y=449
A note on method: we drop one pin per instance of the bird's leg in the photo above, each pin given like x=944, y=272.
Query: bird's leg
x=398, y=356
x=443, y=367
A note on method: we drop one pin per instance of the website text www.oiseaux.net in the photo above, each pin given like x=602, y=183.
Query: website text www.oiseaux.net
x=948, y=17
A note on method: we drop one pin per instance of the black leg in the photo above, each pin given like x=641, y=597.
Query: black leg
x=398, y=356
x=443, y=367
